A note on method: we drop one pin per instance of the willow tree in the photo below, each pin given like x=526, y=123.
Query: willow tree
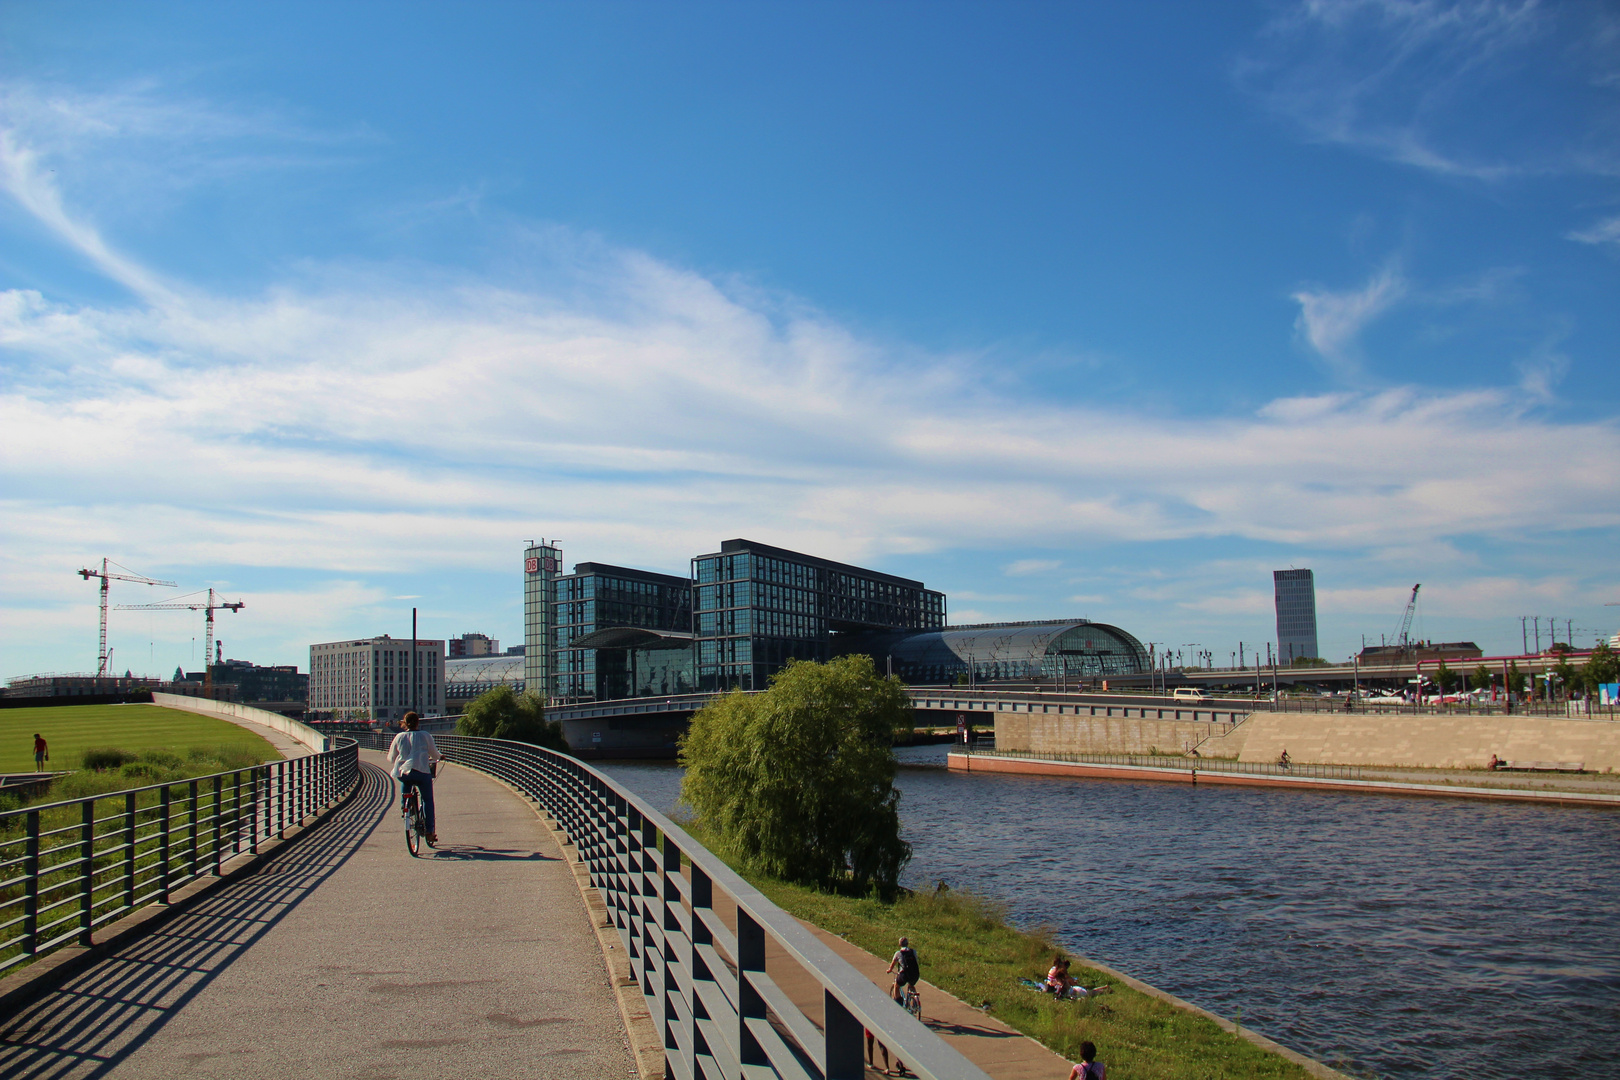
x=503, y=713
x=798, y=781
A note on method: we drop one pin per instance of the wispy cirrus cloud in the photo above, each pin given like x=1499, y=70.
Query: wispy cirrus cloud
x=1606, y=231
x=1407, y=80
x=1330, y=321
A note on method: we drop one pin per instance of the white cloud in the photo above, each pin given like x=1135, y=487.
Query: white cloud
x=1022, y=567
x=1331, y=321
x=1606, y=231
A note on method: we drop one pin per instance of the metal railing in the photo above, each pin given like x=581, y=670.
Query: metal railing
x=1180, y=763
x=67, y=868
x=737, y=987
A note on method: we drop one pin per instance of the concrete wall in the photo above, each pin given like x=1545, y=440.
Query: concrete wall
x=1431, y=742
x=227, y=710
x=1082, y=734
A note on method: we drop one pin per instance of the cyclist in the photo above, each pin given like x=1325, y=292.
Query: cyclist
x=905, y=969
x=413, y=757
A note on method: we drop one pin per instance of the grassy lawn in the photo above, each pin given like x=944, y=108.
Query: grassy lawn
x=72, y=729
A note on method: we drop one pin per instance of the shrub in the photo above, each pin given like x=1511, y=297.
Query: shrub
x=502, y=713
x=107, y=757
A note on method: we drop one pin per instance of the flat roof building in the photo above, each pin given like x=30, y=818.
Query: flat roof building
x=599, y=597
x=1295, y=592
x=375, y=679
x=757, y=606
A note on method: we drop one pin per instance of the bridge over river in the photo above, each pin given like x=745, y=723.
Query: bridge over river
x=269, y=922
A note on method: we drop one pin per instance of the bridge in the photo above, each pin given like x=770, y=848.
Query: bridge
x=268, y=922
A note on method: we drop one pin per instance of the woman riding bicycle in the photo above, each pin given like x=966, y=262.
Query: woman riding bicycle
x=413, y=757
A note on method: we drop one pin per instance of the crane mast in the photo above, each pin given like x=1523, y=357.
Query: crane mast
x=1401, y=640
x=107, y=576
x=212, y=604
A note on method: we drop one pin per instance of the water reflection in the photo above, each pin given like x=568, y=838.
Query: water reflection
x=1395, y=936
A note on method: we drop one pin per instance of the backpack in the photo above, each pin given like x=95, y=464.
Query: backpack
x=1091, y=1070
x=910, y=971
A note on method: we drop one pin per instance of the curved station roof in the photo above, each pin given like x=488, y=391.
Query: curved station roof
x=1007, y=650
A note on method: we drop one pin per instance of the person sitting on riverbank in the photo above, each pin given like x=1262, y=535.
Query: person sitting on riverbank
x=1063, y=986
x=1089, y=1068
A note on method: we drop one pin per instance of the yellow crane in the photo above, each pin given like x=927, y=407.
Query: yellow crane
x=212, y=604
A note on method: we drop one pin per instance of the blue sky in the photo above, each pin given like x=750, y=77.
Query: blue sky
x=1103, y=310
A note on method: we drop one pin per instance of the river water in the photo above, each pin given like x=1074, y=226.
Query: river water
x=1389, y=936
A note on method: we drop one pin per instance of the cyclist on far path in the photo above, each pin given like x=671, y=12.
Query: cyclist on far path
x=413, y=756
x=905, y=969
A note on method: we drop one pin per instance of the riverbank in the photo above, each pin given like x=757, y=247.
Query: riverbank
x=969, y=949
x=1601, y=790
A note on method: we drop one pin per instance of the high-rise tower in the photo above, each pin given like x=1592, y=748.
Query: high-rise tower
x=1296, y=614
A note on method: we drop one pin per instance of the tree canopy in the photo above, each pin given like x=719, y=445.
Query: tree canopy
x=503, y=713
x=798, y=781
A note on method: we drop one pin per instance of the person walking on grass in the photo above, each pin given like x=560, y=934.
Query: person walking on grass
x=1089, y=1068
x=42, y=753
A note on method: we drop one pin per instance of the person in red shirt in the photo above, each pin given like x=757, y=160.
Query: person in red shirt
x=42, y=753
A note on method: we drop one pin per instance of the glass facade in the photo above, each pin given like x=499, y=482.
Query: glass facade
x=542, y=563
x=599, y=597
x=755, y=607
x=1296, y=614
x=1074, y=649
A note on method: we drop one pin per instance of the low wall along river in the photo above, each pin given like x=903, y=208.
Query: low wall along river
x=1429, y=742
x=1384, y=935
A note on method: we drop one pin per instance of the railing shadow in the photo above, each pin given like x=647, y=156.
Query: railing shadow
x=107, y=1012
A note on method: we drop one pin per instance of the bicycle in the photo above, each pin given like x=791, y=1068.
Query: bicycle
x=913, y=1002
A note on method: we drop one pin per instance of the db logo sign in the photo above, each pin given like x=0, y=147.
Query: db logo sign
x=531, y=566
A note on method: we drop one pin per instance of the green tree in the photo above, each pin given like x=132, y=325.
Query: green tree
x=503, y=713
x=1603, y=666
x=798, y=781
x=1482, y=678
x=1445, y=678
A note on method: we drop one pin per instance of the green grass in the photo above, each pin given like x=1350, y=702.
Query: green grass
x=72, y=729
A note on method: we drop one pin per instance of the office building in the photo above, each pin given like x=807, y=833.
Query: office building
x=468, y=646
x=542, y=564
x=1296, y=614
x=597, y=597
x=280, y=683
x=756, y=607
x=375, y=678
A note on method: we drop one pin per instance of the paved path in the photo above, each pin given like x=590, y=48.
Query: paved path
x=345, y=957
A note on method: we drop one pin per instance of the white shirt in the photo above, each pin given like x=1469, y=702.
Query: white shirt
x=412, y=751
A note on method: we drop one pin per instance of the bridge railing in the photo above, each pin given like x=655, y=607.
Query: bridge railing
x=737, y=987
x=69, y=867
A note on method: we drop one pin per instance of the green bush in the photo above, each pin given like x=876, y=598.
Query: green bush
x=108, y=757
x=502, y=713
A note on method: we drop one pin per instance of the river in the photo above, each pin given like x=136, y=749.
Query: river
x=1389, y=936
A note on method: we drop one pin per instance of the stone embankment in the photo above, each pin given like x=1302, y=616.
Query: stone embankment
x=1453, y=741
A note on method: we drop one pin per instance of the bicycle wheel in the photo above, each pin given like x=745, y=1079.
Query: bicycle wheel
x=413, y=835
x=914, y=1004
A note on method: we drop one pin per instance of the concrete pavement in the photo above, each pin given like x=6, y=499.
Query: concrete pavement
x=345, y=957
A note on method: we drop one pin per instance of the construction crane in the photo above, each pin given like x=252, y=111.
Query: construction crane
x=107, y=576
x=1401, y=642
x=212, y=604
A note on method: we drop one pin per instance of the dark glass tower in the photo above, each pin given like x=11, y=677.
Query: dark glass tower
x=1296, y=614
x=542, y=563
x=756, y=607
x=598, y=597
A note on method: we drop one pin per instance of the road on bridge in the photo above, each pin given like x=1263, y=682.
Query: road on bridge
x=345, y=957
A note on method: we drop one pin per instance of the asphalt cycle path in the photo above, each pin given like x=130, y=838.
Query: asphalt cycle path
x=345, y=957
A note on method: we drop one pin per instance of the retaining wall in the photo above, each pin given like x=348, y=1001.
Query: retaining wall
x=227, y=710
x=1428, y=742
x=1082, y=734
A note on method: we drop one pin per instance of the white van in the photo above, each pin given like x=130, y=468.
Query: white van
x=1188, y=693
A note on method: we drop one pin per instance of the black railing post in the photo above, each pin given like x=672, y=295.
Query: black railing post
x=87, y=874
x=163, y=844
x=192, y=810
x=750, y=1002
x=30, y=927
x=253, y=810
x=129, y=850
x=219, y=823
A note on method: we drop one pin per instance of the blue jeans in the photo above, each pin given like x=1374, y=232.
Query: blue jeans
x=423, y=782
